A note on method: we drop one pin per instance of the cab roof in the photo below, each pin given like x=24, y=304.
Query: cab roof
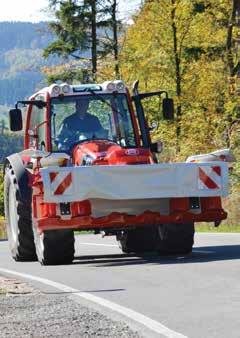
x=64, y=89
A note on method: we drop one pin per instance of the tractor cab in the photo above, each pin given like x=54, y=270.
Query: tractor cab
x=91, y=117
x=88, y=119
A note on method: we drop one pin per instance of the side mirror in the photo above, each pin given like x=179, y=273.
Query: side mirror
x=15, y=119
x=168, y=109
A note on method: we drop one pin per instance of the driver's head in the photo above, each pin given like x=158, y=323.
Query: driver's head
x=82, y=107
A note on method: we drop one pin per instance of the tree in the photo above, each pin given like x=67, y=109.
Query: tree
x=69, y=28
x=156, y=43
x=110, y=41
x=233, y=64
x=115, y=25
x=75, y=20
x=79, y=27
x=233, y=21
x=179, y=46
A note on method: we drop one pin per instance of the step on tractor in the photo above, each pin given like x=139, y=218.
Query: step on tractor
x=88, y=164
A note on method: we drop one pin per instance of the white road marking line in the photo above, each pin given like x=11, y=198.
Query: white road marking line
x=203, y=251
x=151, y=324
x=86, y=243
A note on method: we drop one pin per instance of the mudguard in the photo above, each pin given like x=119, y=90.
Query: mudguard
x=21, y=176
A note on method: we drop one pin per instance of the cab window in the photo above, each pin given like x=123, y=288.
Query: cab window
x=38, y=115
x=86, y=117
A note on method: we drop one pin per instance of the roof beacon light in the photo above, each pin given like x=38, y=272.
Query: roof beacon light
x=111, y=86
x=66, y=88
x=56, y=90
x=120, y=85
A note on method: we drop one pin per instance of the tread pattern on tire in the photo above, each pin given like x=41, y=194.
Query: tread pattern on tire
x=139, y=240
x=176, y=238
x=165, y=239
x=54, y=247
x=23, y=249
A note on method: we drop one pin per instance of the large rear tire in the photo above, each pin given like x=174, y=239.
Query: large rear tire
x=54, y=247
x=18, y=220
x=138, y=240
x=164, y=239
x=176, y=238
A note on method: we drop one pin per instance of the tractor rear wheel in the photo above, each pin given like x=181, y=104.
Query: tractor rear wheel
x=176, y=238
x=164, y=239
x=18, y=220
x=138, y=240
x=54, y=247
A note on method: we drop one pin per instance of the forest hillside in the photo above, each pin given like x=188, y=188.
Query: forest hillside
x=21, y=60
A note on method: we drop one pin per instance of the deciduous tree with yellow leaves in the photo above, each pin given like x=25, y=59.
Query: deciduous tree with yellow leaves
x=180, y=45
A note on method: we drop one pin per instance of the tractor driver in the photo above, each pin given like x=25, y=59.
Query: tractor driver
x=80, y=122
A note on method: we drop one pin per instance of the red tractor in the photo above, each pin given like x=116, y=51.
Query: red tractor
x=88, y=163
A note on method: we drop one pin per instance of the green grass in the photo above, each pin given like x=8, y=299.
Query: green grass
x=207, y=227
x=83, y=232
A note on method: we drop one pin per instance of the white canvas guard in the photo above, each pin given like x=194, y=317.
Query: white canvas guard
x=134, y=182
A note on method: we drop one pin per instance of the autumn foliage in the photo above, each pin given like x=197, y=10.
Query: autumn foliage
x=180, y=46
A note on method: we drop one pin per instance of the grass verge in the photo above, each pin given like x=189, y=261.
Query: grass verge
x=207, y=227
x=77, y=232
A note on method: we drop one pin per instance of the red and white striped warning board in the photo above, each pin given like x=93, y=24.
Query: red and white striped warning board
x=134, y=182
x=61, y=183
x=209, y=177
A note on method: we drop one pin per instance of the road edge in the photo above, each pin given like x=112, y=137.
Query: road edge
x=139, y=322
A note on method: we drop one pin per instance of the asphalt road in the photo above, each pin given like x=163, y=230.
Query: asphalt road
x=197, y=296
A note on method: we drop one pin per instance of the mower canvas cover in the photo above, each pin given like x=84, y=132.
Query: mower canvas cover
x=135, y=182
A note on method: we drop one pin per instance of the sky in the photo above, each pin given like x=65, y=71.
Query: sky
x=33, y=10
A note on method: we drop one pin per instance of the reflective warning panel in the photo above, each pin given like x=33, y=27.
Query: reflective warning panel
x=61, y=183
x=131, y=182
x=210, y=177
